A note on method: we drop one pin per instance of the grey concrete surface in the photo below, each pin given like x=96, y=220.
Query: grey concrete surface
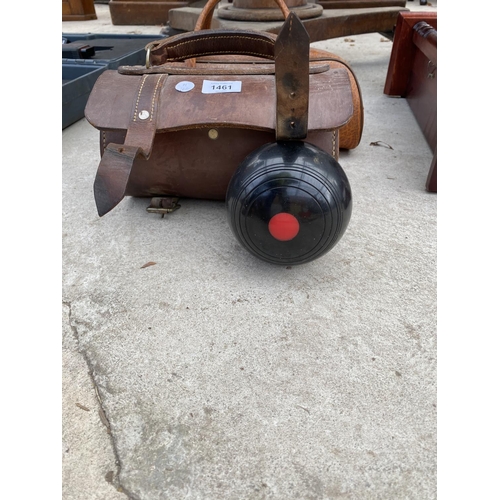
x=222, y=377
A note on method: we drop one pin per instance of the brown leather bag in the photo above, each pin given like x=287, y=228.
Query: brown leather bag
x=161, y=135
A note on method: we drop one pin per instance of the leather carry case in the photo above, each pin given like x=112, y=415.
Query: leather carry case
x=187, y=121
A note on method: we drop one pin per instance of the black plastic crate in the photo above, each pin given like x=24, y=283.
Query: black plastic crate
x=78, y=78
x=114, y=49
x=86, y=56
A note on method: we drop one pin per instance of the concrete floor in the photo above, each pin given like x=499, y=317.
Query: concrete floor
x=212, y=375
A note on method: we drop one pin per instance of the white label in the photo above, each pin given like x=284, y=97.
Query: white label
x=184, y=86
x=210, y=87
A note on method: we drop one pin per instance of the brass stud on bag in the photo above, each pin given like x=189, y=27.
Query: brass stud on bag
x=213, y=134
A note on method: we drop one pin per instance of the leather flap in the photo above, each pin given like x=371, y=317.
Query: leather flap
x=112, y=98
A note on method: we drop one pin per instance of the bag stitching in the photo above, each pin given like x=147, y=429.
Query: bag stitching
x=154, y=97
x=215, y=38
x=259, y=54
x=138, y=97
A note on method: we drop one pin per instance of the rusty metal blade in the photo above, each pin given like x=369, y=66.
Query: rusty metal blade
x=291, y=52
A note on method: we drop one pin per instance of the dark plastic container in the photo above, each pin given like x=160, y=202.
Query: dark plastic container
x=86, y=56
x=78, y=78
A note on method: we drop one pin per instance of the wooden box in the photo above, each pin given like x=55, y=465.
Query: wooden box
x=412, y=74
x=142, y=12
x=78, y=10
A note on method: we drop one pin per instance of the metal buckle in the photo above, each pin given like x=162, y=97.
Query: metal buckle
x=163, y=205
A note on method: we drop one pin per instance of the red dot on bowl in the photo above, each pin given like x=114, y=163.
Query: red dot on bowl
x=284, y=227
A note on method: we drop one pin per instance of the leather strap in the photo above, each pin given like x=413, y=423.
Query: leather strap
x=292, y=80
x=207, y=67
x=113, y=173
x=142, y=128
x=112, y=176
x=188, y=46
x=211, y=42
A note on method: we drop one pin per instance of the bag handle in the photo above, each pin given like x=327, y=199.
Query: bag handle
x=205, y=19
x=204, y=41
x=210, y=42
